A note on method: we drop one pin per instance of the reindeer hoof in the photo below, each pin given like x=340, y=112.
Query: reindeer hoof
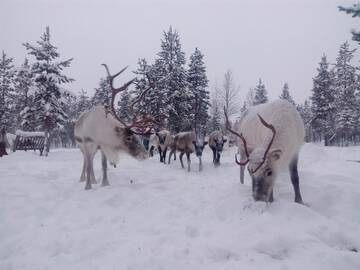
x=82, y=180
x=87, y=187
x=104, y=184
x=93, y=181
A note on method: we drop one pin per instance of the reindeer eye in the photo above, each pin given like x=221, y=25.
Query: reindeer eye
x=129, y=138
x=268, y=173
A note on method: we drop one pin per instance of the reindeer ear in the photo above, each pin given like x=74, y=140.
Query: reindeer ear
x=275, y=154
x=225, y=140
x=205, y=143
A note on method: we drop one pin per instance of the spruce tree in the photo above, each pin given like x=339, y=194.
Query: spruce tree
x=215, y=111
x=102, y=95
x=171, y=79
x=307, y=116
x=198, y=83
x=24, y=87
x=354, y=10
x=260, y=93
x=285, y=94
x=323, y=101
x=83, y=102
x=7, y=93
x=345, y=84
x=124, y=105
x=154, y=102
x=48, y=74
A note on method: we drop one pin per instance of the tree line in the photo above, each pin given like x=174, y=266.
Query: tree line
x=33, y=96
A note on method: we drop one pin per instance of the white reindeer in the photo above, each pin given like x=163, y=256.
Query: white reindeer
x=100, y=129
x=271, y=136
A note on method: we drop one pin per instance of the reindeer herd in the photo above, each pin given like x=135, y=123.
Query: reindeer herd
x=266, y=146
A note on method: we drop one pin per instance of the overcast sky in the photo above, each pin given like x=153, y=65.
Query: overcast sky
x=278, y=41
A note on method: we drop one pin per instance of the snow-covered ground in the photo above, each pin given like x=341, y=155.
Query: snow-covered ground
x=156, y=216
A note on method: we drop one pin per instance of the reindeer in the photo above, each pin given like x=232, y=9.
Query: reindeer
x=216, y=144
x=164, y=142
x=187, y=143
x=101, y=129
x=269, y=146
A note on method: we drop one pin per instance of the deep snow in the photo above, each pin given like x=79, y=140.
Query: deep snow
x=156, y=216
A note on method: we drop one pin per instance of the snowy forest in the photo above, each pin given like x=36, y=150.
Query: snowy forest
x=179, y=135
x=36, y=95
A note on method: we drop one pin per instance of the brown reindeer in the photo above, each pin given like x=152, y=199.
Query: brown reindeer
x=187, y=143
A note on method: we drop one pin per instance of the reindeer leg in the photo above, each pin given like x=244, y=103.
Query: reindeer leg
x=214, y=155
x=295, y=179
x=164, y=155
x=105, y=181
x=151, y=151
x=188, y=160
x=89, y=165
x=242, y=171
x=160, y=153
x=200, y=164
x=83, y=176
x=181, y=161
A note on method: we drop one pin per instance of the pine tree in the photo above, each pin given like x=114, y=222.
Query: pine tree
x=198, y=83
x=345, y=83
x=260, y=93
x=49, y=96
x=171, y=79
x=323, y=101
x=285, y=94
x=102, y=95
x=24, y=87
x=7, y=93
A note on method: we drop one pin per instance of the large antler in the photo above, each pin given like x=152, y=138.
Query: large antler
x=136, y=123
x=271, y=127
x=228, y=127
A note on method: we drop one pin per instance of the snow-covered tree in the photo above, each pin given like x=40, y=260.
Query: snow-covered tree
x=155, y=101
x=260, y=93
x=323, y=102
x=355, y=12
x=249, y=100
x=48, y=74
x=124, y=105
x=83, y=102
x=171, y=79
x=215, y=111
x=24, y=88
x=285, y=94
x=7, y=92
x=345, y=84
x=102, y=95
x=198, y=83
x=307, y=116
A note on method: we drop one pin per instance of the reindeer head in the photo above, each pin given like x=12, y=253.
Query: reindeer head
x=199, y=146
x=262, y=163
x=127, y=132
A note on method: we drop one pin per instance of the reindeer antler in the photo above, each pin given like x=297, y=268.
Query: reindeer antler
x=228, y=127
x=139, y=124
x=271, y=127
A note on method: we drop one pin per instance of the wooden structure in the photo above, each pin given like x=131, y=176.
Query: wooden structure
x=30, y=141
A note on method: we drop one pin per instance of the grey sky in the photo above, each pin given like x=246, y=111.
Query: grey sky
x=279, y=41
